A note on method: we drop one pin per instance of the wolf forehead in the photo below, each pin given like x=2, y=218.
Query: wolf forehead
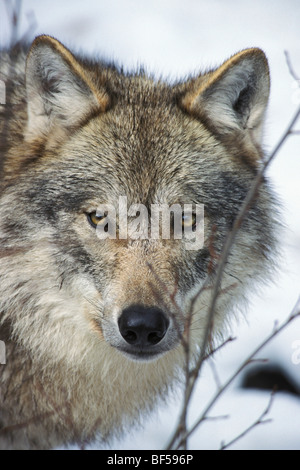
x=143, y=146
x=142, y=155
x=88, y=119
x=143, y=129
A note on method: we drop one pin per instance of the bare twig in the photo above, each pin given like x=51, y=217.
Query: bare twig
x=237, y=224
x=290, y=67
x=260, y=420
x=295, y=313
x=295, y=132
x=249, y=200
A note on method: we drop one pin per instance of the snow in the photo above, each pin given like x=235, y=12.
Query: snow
x=173, y=38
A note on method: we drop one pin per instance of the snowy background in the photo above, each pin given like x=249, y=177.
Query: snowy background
x=173, y=38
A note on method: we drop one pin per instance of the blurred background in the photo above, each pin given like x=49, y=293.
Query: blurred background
x=172, y=39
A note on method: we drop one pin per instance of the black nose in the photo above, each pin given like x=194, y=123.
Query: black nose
x=143, y=326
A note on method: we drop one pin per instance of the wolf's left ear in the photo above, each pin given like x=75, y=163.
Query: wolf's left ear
x=60, y=93
x=234, y=96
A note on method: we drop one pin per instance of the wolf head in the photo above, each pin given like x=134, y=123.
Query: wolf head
x=92, y=135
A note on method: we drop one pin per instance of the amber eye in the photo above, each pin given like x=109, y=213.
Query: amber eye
x=97, y=219
x=189, y=220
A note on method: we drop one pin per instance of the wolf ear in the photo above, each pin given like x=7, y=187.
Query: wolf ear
x=234, y=96
x=59, y=91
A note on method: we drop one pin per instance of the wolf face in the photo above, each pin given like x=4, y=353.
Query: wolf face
x=85, y=135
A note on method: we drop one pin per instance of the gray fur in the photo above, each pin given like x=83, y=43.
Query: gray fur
x=78, y=133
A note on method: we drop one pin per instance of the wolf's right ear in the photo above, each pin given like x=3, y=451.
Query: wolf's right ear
x=59, y=91
x=234, y=96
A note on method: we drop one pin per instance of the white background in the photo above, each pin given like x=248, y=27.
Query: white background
x=173, y=38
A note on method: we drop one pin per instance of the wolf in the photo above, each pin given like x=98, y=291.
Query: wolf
x=93, y=327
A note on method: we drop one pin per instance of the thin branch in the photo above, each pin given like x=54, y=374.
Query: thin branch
x=215, y=373
x=295, y=313
x=290, y=67
x=260, y=420
x=248, y=202
x=295, y=132
x=216, y=418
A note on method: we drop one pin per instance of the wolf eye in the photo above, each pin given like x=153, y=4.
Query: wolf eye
x=189, y=220
x=96, y=219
